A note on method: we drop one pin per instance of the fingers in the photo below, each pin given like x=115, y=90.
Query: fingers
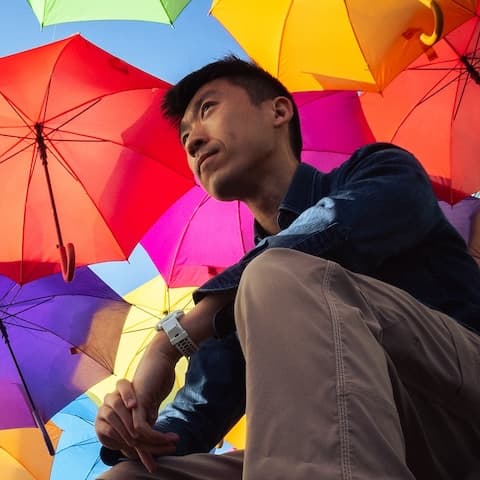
x=114, y=424
x=155, y=444
x=147, y=459
x=127, y=393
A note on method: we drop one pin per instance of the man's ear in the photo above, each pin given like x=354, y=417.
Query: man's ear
x=282, y=109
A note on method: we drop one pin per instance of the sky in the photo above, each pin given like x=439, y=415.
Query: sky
x=162, y=50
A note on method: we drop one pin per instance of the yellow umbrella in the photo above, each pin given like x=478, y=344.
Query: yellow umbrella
x=151, y=301
x=339, y=44
x=23, y=455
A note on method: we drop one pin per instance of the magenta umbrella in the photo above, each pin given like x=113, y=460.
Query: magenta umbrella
x=59, y=339
x=333, y=127
x=198, y=236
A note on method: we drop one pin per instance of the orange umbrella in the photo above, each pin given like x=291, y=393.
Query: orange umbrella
x=86, y=158
x=432, y=109
x=23, y=455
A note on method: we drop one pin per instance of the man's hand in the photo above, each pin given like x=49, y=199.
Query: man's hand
x=124, y=421
x=114, y=426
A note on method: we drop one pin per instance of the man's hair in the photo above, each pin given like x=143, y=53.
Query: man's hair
x=257, y=83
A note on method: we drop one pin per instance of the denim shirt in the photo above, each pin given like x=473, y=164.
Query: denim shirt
x=377, y=215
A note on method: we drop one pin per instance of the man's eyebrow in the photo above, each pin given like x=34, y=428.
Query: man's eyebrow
x=195, y=109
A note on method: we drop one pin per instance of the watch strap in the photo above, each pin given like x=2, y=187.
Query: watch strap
x=177, y=335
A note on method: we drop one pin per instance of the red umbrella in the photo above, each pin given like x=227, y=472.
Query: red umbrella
x=432, y=109
x=81, y=134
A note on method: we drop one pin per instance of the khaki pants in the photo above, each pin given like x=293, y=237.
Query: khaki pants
x=347, y=378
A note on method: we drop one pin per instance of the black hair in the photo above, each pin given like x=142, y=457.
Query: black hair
x=257, y=82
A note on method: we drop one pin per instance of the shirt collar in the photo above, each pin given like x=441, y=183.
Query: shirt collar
x=300, y=195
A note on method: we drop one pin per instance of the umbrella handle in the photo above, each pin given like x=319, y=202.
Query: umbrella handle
x=426, y=39
x=67, y=261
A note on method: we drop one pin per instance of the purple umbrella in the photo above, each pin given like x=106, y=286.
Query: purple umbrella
x=461, y=215
x=60, y=339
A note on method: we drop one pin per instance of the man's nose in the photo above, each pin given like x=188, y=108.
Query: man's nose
x=196, y=140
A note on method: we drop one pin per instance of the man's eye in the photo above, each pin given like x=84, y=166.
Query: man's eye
x=184, y=138
x=205, y=107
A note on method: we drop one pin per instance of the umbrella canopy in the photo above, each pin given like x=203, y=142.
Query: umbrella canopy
x=50, y=12
x=333, y=127
x=432, y=109
x=151, y=301
x=77, y=456
x=338, y=44
x=85, y=156
x=23, y=455
x=198, y=236
x=59, y=339
x=462, y=215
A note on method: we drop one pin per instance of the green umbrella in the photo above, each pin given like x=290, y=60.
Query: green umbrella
x=50, y=12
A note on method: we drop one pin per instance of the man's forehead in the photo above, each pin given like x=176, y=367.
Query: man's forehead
x=210, y=88
x=213, y=86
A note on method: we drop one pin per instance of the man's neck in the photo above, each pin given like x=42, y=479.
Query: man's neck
x=265, y=204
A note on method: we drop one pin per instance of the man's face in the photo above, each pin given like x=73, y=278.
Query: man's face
x=227, y=139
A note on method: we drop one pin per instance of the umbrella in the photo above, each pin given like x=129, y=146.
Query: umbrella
x=50, y=12
x=338, y=44
x=198, y=236
x=151, y=301
x=77, y=454
x=333, y=127
x=59, y=339
x=432, y=110
x=80, y=135
x=462, y=214
x=23, y=455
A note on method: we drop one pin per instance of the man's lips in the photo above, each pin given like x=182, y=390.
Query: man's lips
x=204, y=157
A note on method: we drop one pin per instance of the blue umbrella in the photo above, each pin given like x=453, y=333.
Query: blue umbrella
x=77, y=456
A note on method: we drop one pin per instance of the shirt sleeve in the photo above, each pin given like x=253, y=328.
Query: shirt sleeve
x=377, y=204
x=212, y=399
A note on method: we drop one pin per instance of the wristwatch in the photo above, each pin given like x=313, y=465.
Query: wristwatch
x=177, y=335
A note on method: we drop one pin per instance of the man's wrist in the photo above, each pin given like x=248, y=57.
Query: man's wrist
x=161, y=343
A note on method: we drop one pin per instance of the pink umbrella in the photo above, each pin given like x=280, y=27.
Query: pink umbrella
x=333, y=126
x=198, y=236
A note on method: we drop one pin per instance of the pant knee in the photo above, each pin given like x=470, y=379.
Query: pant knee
x=277, y=265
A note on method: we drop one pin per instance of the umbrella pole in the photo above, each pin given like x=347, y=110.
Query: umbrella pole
x=33, y=408
x=474, y=74
x=67, y=253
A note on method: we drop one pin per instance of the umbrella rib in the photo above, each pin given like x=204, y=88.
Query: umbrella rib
x=34, y=327
x=21, y=114
x=94, y=138
x=3, y=160
x=284, y=26
x=430, y=93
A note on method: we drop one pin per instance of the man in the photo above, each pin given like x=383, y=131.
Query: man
x=357, y=313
